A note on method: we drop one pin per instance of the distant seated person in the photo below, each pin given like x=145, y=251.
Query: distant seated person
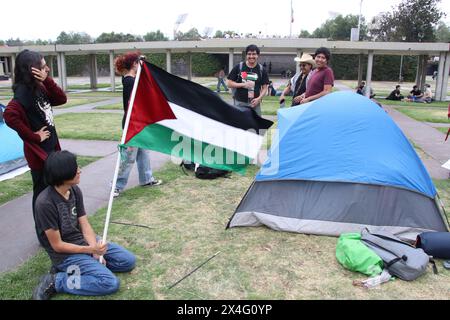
x=428, y=95
x=362, y=89
x=415, y=94
x=65, y=233
x=271, y=90
x=395, y=94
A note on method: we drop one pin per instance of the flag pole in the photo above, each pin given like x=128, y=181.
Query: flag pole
x=290, y=26
x=122, y=141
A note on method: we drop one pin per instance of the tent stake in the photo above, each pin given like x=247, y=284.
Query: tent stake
x=131, y=224
x=193, y=270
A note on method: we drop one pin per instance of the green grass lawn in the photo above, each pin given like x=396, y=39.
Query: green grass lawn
x=443, y=130
x=72, y=102
x=89, y=126
x=20, y=185
x=434, y=104
x=188, y=227
x=114, y=106
x=98, y=94
x=270, y=105
x=87, y=86
x=426, y=114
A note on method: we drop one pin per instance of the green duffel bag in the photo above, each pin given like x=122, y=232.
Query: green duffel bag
x=356, y=256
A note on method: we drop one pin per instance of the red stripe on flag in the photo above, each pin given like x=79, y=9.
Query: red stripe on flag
x=150, y=104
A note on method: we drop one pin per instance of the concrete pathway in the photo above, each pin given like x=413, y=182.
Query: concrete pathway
x=88, y=107
x=427, y=138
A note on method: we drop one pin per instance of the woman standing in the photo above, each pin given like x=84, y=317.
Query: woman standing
x=30, y=113
x=127, y=65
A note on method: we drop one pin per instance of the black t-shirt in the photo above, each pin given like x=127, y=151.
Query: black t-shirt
x=300, y=87
x=417, y=92
x=39, y=113
x=235, y=75
x=128, y=83
x=53, y=211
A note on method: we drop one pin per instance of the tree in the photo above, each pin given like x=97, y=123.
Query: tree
x=304, y=34
x=442, y=32
x=14, y=42
x=117, y=37
x=155, y=36
x=223, y=34
x=192, y=34
x=73, y=38
x=411, y=21
x=339, y=28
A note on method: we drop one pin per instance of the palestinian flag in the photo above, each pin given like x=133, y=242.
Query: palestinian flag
x=186, y=120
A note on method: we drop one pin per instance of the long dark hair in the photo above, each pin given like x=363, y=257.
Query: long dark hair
x=22, y=70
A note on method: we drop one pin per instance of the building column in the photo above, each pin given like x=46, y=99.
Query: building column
x=168, y=61
x=445, y=77
x=230, y=59
x=13, y=65
x=112, y=71
x=369, y=73
x=50, y=65
x=439, y=77
x=62, y=74
x=2, y=69
x=297, y=65
x=419, y=72
x=7, y=69
x=189, y=65
x=93, y=70
x=423, y=75
x=360, y=68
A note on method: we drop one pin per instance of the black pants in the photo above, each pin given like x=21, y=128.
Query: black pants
x=39, y=184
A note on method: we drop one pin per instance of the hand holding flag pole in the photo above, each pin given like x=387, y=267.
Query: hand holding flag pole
x=122, y=141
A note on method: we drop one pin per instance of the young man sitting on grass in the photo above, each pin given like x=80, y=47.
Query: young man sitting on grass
x=65, y=233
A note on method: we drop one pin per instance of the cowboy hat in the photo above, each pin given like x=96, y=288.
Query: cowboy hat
x=306, y=58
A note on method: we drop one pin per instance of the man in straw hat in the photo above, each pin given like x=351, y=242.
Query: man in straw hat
x=298, y=83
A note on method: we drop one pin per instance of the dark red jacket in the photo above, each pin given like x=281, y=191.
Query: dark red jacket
x=16, y=118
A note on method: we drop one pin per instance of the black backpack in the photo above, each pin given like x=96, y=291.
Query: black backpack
x=203, y=172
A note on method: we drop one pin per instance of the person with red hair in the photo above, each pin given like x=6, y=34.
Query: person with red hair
x=127, y=65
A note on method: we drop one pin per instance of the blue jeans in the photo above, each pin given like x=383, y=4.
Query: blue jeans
x=221, y=81
x=81, y=274
x=142, y=158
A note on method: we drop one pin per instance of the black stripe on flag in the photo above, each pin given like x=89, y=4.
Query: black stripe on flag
x=199, y=99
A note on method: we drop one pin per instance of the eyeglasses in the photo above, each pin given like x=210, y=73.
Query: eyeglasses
x=302, y=64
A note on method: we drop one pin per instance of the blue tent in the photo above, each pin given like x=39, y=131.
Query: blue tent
x=339, y=164
x=11, y=151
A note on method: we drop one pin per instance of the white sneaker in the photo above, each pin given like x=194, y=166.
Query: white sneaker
x=155, y=182
x=116, y=193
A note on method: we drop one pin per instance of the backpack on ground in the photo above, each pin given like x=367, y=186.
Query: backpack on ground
x=203, y=172
x=400, y=258
x=187, y=165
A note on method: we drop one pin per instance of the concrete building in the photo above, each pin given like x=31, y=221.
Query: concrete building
x=234, y=48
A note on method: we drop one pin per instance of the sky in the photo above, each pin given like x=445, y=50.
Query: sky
x=45, y=19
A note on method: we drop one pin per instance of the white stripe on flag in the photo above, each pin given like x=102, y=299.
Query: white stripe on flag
x=199, y=127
